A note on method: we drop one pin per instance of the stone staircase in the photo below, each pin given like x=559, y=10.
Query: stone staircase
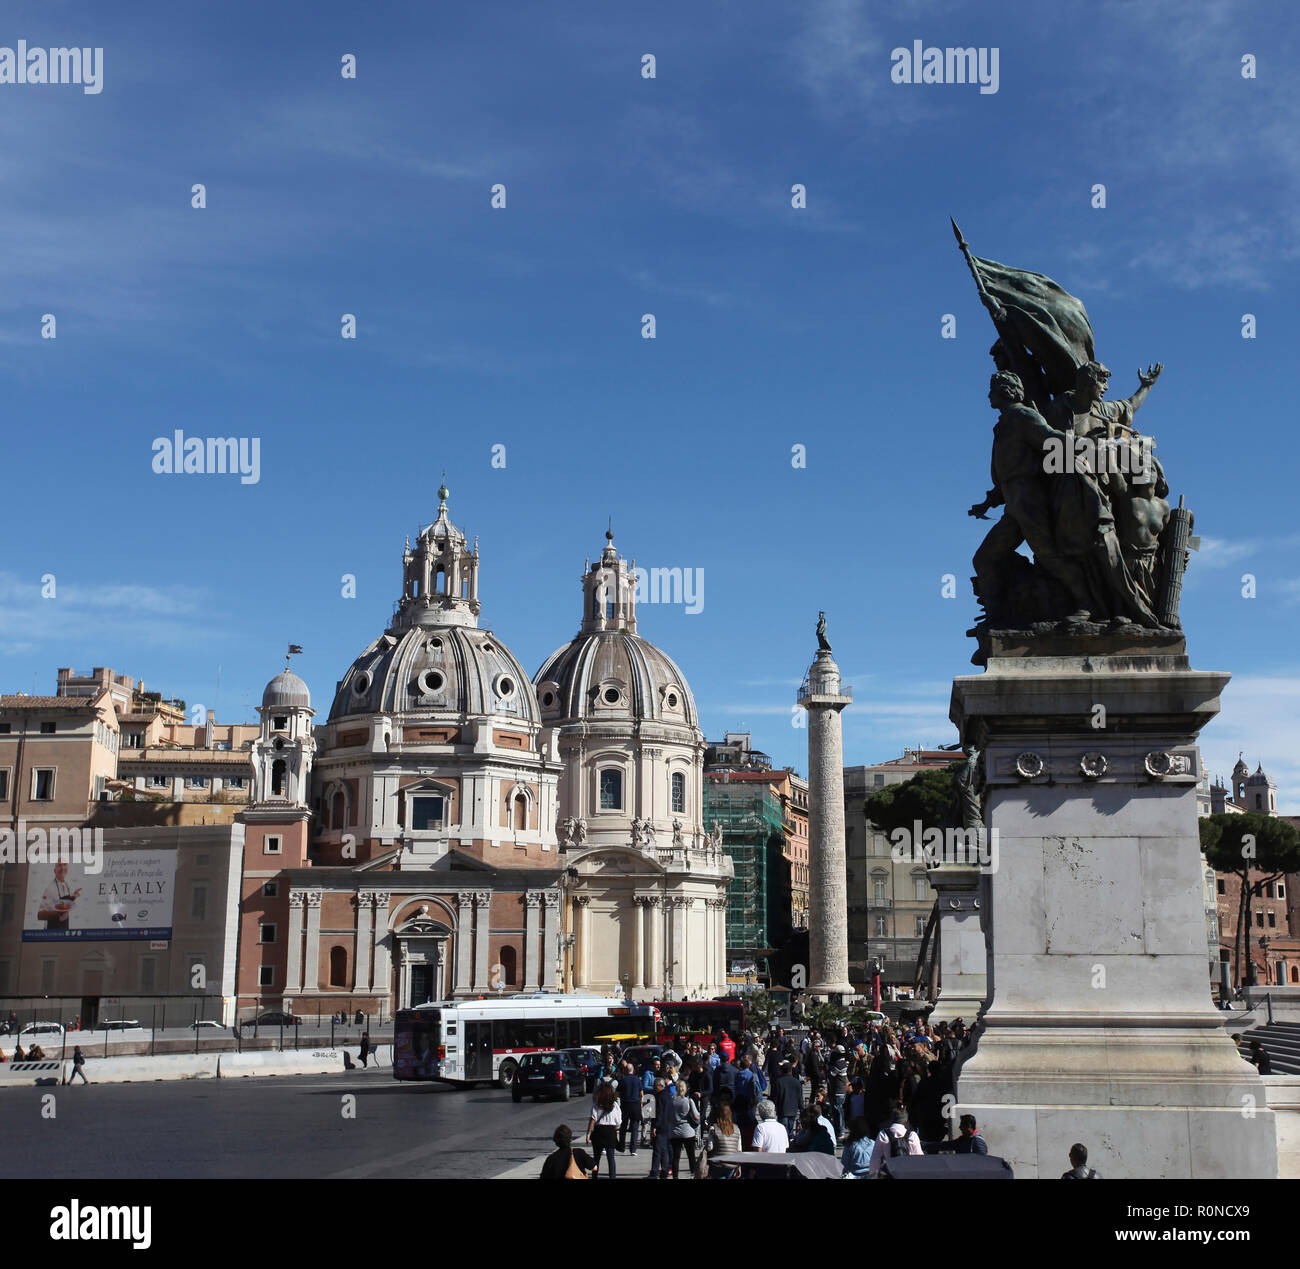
x=1281, y=1041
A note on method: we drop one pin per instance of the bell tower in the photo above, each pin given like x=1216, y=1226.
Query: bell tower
x=282, y=754
x=439, y=575
x=609, y=592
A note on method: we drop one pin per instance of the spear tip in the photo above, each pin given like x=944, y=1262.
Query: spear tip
x=956, y=232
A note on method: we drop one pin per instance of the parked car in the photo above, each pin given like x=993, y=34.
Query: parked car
x=273, y=1019
x=589, y=1060
x=205, y=1024
x=119, y=1024
x=42, y=1028
x=550, y=1074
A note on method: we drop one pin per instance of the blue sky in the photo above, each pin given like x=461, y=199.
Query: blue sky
x=522, y=327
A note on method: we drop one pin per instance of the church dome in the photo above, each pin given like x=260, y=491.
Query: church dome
x=613, y=676
x=1259, y=778
x=453, y=670
x=286, y=691
x=608, y=673
x=433, y=657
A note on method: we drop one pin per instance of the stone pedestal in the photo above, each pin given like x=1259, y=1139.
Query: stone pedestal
x=963, y=950
x=1100, y=1027
x=828, y=913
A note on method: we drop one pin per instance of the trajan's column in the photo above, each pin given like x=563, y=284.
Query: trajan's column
x=828, y=922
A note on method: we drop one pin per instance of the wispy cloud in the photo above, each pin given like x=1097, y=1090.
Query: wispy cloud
x=1258, y=717
x=94, y=615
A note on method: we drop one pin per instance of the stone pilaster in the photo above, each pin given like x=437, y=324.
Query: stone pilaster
x=381, y=945
x=482, y=922
x=638, y=946
x=655, y=953
x=311, y=970
x=828, y=918
x=365, y=914
x=582, y=948
x=293, y=958
x=532, y=905
x=550, y=938
x=464, y=940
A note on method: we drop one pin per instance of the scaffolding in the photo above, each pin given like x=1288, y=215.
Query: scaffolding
x=749, y=813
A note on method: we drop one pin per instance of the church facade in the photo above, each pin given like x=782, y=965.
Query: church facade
x=456, y=829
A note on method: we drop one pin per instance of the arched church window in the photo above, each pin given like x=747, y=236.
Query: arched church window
x=509, y=961
x=277, y=777
x=338, y=810
x=338, y=966
x=679, y=793
x=611, y=790
x=521, y=811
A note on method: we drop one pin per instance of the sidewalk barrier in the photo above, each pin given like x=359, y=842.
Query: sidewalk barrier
x=27, y=1074
x=273, y=1062
x=145, y=1069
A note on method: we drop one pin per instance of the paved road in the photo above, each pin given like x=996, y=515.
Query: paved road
x=277, y=1127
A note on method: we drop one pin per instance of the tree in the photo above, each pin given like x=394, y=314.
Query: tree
x=929, y=796
x=1240, y=845
x=760, y=1009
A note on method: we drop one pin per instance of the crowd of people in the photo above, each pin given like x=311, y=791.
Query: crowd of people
x=864, y=1093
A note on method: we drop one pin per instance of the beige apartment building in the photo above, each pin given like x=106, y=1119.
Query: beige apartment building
x=889, y=900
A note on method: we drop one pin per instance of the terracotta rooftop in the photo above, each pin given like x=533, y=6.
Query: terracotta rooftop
x=70, y=703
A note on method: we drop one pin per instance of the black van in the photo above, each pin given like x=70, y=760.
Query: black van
x=551, y=1074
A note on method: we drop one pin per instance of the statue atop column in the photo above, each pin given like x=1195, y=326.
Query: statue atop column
x=823, y=644
x=1076, y=480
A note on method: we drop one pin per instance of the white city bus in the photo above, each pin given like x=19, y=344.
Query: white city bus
x=475, y=1041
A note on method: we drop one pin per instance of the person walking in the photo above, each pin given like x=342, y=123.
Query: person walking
x=653, y=1073
x=685, y=1129
x=700, y=1082
x=603, y=1126
x=365, y=1047
x=724, y=1078
x=661, y=1158
x=770, y=1136
x=727, y=1047
x=745, y=1102
x=78, y=1065
x=837, y=1086
x=629, y=1103
x=787, y=1097
x=724, y=1137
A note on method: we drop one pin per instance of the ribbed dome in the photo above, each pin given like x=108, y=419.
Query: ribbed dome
x=286, y=691
x=613, y=676
x=1259, y=777
x=455, y=670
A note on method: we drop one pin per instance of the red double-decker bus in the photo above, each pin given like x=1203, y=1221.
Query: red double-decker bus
x=699, y=1020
